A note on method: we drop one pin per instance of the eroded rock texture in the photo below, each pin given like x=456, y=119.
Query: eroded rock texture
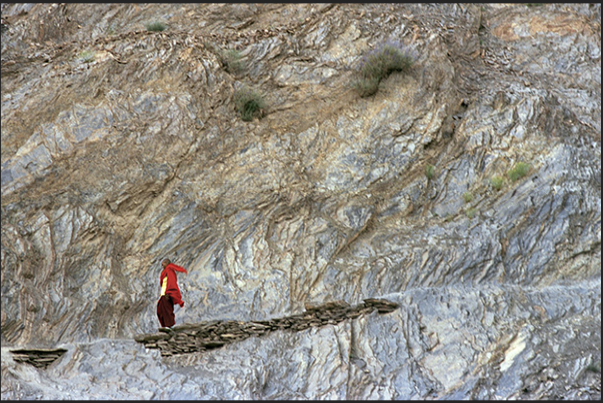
x=122, y=146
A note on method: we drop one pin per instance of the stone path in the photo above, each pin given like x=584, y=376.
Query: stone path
x=197, y=337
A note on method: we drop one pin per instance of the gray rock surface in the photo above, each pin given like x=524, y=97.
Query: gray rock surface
x=122, y=146
x=488, y=343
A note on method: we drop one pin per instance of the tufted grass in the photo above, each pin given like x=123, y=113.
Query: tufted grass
x=467, y=196
x=520, y=170
x=430, y=171
x=366, y=86
x=497, y=182
x=379, y=63
x=248, y=102
x=470, y=212
x=231, y=59
x=86, y=56
x=155, y=26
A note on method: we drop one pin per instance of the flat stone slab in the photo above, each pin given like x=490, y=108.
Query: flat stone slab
x=39, y=358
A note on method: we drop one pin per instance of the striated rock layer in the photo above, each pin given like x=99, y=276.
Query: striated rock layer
x=122, y=146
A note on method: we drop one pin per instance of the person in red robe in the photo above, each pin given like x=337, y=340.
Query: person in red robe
x=170, y=293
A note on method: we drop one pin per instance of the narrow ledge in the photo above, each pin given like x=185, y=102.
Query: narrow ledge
x=199, y=337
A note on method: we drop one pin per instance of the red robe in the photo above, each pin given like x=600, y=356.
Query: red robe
x=172, y=289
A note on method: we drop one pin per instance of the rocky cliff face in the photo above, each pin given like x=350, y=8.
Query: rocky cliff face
x=121, y=145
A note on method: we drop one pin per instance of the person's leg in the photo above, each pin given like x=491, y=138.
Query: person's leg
x=165, y=312
x=171, y=318
x=160, y=311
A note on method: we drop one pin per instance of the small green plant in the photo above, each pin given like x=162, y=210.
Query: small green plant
x=248, y=102
x=497, y=182
x=231, y=59
x=155, y=26
x=86, y=56
x=594, y=367
x=366, y=86
x=380, y=63
x=520, y=170
x=470, y=212
x=467, y=196
x=430, y=171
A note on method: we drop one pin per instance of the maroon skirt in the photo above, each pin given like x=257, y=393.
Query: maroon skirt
x=165, y=311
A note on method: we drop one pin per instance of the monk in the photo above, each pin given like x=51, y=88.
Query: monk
x=170, y=293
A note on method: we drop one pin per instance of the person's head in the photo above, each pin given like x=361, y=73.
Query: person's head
x=165, y=262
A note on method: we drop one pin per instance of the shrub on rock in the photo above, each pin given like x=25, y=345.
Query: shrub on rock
x=248, y=102
x=379, y=63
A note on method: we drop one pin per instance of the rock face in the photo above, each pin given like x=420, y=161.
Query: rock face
x=122, y=146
